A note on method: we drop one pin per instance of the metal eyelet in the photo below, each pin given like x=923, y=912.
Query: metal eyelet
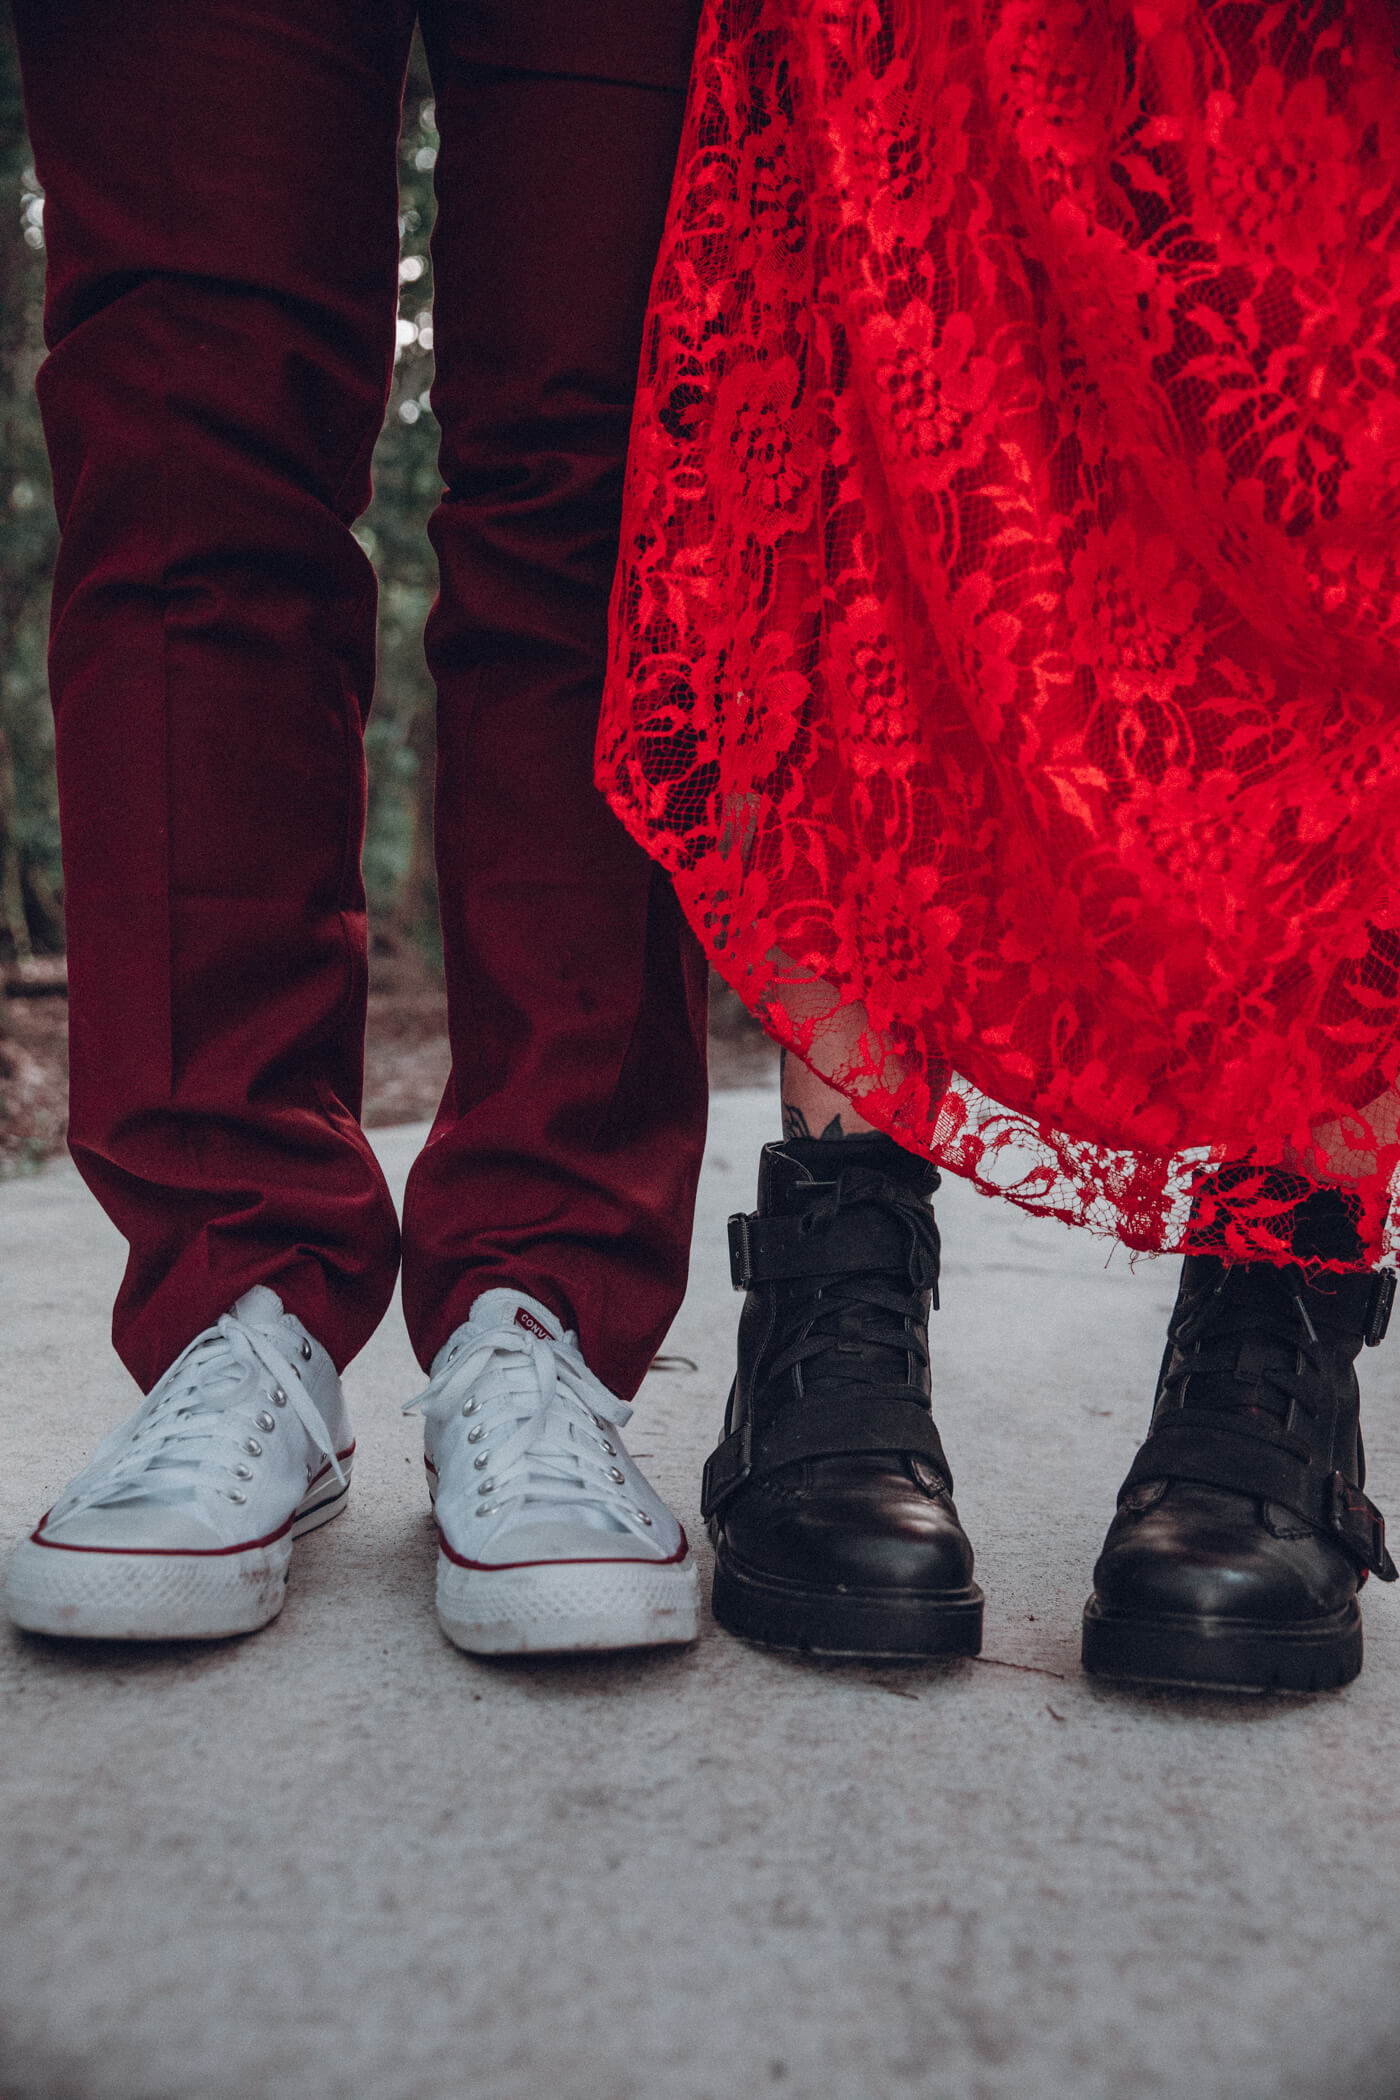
x=645, y=1518
x=235, y=1495
x=242, y=1472
x=469, y=1407
x=611, y=1449
x=486, y=1487
x=614, y=1473
x=483, y=1460
x=453, y=1351
x=486, y=1509
x=252, y=1447
x=306, y=1352
x=474, y=1436
x=279, y=1398
x=266, y=1422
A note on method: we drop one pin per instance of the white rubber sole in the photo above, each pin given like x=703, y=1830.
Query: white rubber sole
x=101, y=1595
x=569, y=1607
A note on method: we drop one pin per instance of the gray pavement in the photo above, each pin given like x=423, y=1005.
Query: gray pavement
x=340, y=1860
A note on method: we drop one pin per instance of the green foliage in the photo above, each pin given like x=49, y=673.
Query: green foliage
x=399, y=745
x=31, y=879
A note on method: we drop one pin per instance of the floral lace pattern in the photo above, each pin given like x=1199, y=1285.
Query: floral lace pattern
x=1007, y=633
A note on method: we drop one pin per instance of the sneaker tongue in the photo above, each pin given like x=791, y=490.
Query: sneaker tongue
x=261, y=1308
x=514, y=1309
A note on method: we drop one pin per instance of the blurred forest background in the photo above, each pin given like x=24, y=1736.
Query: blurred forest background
x=406, y=1060
x=398, y=861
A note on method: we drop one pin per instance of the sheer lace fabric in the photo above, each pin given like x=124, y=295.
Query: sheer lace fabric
x=1007, y=633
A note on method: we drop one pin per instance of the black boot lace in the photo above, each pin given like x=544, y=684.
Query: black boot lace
x=1247, y=1344
x=860, y=1328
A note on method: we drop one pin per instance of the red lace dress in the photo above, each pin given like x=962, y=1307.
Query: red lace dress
x=1007, y=635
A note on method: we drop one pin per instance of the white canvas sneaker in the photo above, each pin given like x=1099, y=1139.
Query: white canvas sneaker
x=551, y=1540
x=181, y=1525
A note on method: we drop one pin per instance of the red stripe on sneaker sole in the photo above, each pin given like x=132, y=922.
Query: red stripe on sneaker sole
x=577, y=1560
x=36, y=1537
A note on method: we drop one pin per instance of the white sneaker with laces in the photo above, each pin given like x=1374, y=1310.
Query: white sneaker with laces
x=181, y=1525
x=551, y=1540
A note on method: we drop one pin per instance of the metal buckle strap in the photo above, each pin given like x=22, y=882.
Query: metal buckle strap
x=816, y=1243
x=726, y=1468
x=821, y=1429
x=1355, y=1302
x=1246, y=1457
x=1360, y=1527
x=1378, y=1311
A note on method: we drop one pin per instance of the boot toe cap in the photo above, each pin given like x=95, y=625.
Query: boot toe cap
x=835, y=1526
x=1211, y=1554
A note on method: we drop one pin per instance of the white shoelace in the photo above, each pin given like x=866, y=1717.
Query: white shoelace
x=189, y=1418
x=556, y=1452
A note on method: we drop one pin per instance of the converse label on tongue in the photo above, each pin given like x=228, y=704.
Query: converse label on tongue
x=531, y=1325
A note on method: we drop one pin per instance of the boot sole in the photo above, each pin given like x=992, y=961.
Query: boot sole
x=845, y=1623
x=105, y=1594
x=1319, y=1655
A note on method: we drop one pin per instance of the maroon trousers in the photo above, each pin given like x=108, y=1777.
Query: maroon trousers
x=222, y=234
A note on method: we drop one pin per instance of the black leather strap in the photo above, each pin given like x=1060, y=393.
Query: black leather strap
x=817, y=1242
x=1378, y=1311
x=820, y=1429
x=1356, y=1303
x=1255, y=1457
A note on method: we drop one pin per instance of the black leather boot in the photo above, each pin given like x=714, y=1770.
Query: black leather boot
x=1242, y=1535
x=829, y=1499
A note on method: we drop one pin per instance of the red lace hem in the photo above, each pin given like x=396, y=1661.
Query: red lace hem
x=1005, y=657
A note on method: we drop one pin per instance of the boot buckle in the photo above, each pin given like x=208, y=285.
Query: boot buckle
x=1378, y=1311
x=1354, y=1518
x=727, y=1467
x=741, y=1273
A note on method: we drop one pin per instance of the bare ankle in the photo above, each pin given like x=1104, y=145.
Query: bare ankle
x=812, y=1109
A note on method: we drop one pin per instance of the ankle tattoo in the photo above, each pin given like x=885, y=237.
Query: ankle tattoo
x=795, y=1125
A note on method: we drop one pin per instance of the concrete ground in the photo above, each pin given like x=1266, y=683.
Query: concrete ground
x=340, y=1860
